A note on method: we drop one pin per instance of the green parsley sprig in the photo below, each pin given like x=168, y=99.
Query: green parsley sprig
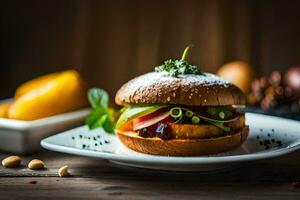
x=177, y=67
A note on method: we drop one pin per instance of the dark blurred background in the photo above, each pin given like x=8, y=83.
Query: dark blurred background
x=112, y=41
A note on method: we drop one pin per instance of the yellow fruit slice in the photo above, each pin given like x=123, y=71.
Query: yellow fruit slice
x=62, y=93
x=32, y=84
x=4, y=109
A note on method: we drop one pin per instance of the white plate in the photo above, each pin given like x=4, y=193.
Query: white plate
x=269, y=137
x=23, y=137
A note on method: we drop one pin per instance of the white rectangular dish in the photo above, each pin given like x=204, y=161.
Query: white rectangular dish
x=23, y=137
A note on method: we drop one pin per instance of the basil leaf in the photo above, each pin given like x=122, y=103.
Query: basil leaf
x=98, y=98
x=131, y=112
x=100, y=121
x=108, y=126
x=93, y=118
x=102, y=115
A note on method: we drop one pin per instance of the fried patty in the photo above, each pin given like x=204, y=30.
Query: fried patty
x=200, y=131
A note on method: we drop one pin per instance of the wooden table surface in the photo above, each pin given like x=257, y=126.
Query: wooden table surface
x=99, y=179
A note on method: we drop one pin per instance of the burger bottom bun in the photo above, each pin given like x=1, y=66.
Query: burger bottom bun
x=183, y=147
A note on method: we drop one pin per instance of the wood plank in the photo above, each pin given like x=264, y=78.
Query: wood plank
x=286, y=168
x=79, y=188
x=93, y=178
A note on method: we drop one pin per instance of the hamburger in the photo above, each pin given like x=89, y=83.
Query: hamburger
x=177, y=110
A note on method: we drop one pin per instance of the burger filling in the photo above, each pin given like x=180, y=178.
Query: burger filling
x=186, y=122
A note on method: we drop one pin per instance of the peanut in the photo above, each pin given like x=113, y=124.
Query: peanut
x=36, y=164
x=63, y=171
x=11, y=161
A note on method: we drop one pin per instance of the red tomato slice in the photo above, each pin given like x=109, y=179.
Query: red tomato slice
x=162, y=116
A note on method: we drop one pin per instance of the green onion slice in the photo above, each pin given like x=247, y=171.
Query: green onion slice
x=218, y=123
x=176, y=112
x=189, y=113
x=195, y=120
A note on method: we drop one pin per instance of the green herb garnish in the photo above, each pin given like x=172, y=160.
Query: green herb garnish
x=217, y=122
x=178, y=67
x=176, y=112
x=195, y=120
x=189, y=114
x=219, y=112
x=101, y=115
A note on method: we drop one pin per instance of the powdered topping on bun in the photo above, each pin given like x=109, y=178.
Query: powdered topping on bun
x=190, y=89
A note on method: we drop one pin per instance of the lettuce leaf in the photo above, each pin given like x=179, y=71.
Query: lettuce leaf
x=131, y=112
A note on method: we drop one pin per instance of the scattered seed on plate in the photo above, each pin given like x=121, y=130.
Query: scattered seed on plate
x=11, y=161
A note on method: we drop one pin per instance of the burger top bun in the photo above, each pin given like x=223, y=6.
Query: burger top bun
x=187, y=89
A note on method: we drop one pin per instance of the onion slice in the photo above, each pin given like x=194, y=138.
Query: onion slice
x=151, y=121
